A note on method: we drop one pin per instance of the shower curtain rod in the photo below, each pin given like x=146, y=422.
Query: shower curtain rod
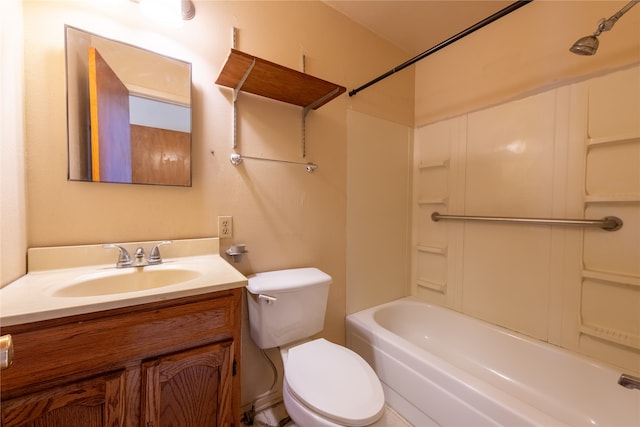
x=516, y=5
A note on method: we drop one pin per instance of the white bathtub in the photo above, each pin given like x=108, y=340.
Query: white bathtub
x=440, y=367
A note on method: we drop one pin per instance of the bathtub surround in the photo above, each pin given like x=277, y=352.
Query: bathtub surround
x=571, y=152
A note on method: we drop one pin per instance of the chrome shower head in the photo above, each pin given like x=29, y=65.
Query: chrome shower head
x=588, y=45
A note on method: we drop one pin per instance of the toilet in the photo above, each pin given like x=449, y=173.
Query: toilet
x=324, y=385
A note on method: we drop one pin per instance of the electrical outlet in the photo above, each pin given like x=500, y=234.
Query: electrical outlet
x=225, y=227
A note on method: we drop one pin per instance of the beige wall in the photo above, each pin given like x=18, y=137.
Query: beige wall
x=568, y=152
x=287, y=217
x=13, y=236
x=523, y=53
x=378, y=200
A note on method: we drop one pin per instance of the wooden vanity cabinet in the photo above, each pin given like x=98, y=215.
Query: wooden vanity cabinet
x=170, y=364
x=190, y=388
x=89, y=403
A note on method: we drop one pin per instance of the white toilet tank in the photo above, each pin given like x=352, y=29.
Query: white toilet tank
x=287, y=305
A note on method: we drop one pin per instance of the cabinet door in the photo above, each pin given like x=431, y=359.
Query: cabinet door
x=192, y=388
x=88, y=403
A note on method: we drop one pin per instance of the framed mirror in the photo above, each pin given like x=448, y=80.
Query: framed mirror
x=128, y=113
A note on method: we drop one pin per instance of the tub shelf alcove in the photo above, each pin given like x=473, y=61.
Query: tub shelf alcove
x=248, y=73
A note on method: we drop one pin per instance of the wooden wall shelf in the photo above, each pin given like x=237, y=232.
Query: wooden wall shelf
x=251, y=74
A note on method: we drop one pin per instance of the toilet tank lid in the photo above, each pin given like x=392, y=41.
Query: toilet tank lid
x=284, y=280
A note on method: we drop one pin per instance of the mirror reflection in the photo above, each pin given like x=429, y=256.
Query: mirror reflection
x=128, y=111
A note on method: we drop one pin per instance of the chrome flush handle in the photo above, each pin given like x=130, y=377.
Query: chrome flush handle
x=269, y=299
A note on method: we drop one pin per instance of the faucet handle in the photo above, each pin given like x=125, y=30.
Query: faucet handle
x=124, y=260
x=154, y=255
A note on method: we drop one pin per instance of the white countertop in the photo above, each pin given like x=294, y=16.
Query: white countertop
x=31, y=298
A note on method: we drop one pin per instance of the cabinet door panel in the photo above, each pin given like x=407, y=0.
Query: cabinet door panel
x=190, y=388
x=89, y=403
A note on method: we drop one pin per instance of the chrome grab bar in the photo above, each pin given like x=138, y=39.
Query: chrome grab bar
x=608, y=223
x=629, y=381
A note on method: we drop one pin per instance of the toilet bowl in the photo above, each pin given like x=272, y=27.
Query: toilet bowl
x=327, y=385
x=324, y=385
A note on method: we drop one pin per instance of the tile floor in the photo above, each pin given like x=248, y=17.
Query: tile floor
x=276, y=416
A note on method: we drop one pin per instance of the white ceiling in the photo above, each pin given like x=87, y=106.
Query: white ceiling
x=415, y=26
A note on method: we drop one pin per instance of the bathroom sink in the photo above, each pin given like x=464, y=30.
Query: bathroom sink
x=125, y=280
x=64, y=281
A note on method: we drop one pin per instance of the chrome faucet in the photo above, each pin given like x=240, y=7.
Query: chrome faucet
x=154, y=256
x=139, y=256
x=629, y=381
x=124, y=259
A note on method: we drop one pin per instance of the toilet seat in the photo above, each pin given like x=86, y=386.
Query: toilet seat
x=334, y=382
